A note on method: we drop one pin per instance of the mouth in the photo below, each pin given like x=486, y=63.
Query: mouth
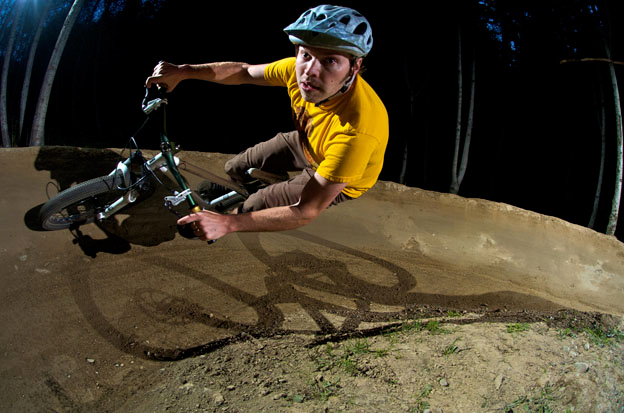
x=309, y=87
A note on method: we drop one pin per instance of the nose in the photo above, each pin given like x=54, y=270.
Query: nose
x=312, y=68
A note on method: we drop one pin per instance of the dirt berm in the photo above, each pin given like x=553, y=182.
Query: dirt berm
x=92, y=318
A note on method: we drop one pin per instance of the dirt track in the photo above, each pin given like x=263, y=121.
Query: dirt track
x=132, y=289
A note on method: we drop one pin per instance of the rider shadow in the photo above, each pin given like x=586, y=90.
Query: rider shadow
x=146, y=223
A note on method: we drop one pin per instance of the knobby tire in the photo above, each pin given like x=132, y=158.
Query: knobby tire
x=81, y=203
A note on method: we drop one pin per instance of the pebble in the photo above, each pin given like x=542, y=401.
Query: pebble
x=581, y=367
x=444, y=382
x=218, y=399
x=498, y=381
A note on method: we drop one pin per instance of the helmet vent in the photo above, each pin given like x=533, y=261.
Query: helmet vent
x=303, y=17
x=345, y=20
x=321, y=17
x=361, y=28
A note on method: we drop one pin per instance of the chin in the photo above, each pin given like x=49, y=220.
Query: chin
x=311, y=99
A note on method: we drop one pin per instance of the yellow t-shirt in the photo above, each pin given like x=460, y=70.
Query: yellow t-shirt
x=346, y=136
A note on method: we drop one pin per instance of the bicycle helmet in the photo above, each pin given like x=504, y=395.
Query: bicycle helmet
x=332, y=27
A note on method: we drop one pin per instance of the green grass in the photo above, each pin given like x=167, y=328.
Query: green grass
x=324, y=389
x=538, y=403
x=452, y=348
x=434, y=327
x=421, y=403
x=518, y=328
x=603, y=338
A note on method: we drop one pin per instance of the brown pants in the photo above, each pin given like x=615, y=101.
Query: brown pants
x=283, y=153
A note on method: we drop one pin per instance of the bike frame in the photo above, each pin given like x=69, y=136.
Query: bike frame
x=164, y=161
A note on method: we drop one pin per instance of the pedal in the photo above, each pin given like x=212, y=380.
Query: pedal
x=254, y=186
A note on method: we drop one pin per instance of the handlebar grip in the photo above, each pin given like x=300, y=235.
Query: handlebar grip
x=152, y=93
x=187, y=232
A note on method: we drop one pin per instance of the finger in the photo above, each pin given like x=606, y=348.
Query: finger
x=188, y=219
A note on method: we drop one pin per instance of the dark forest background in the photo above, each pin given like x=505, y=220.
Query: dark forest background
x=536, y=137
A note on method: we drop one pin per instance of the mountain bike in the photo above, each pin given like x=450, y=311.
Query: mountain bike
x=135, y=177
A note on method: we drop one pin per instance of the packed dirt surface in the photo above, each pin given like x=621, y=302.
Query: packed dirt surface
x=402, y=301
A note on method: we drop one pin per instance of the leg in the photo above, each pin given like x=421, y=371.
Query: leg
x=283, y=194
x=280, y=154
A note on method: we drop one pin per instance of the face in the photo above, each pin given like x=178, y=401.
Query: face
x=321, y=73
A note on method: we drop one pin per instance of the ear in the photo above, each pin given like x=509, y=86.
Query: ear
x=357, y=64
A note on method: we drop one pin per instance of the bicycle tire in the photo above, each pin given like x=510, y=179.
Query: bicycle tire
x=81, y=203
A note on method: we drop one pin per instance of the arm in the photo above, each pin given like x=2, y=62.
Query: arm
x=317, y=195
x=225, y=73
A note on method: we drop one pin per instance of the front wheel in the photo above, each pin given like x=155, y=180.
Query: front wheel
x=80, y=204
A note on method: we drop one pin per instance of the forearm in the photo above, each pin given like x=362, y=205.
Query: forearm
x=271, y=219
x=226, y=73
x=317, y=195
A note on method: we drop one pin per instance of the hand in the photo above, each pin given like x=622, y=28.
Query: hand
x=165, y=74
x=207, y=225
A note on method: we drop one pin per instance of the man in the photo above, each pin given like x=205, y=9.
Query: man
x=341, y=125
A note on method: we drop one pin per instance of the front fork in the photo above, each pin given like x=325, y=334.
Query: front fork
x=165, y=160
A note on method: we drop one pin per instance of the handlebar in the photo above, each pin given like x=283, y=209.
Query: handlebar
x=154, y=97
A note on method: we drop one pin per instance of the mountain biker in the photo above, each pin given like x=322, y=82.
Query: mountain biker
x=341, y=124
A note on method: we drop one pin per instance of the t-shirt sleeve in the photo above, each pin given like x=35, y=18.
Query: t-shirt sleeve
x=278, y=73
x=347, y=157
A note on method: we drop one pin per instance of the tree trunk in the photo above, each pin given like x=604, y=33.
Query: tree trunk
x=603, y=132
x=454, y=183
x=615, y=205
x=4, y=120
x=37, y=133
x=466, y=149
x=459, y=167
x=411, y=92
x=29, y=66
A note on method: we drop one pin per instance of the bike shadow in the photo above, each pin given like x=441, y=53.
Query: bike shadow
x=146, y=222
x=319, y=285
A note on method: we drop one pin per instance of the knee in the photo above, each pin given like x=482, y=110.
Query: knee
x=255, y=202
x=235, y=169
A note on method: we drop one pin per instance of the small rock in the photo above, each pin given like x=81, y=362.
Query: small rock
x=444, y=382
x=231, y=387
x=581, y=367
x=218, y=399
x=498, y=381
x=90, y=361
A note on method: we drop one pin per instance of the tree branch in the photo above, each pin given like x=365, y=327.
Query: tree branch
x=591, y=59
